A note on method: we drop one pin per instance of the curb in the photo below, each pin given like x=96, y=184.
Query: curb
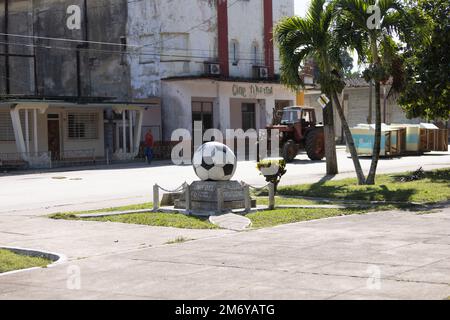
x=57, y=258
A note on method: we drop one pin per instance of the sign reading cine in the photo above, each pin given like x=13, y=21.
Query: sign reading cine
x=251, y=91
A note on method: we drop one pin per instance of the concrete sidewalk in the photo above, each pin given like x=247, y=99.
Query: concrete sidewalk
x=392, y=255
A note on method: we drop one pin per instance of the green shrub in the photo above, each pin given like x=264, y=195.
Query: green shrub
x=273, y=169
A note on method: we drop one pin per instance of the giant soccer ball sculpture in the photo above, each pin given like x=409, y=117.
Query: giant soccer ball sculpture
x=214, y=161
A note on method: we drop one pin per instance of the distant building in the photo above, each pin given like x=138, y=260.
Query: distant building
x=355, y=98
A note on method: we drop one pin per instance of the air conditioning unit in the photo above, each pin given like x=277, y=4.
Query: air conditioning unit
x=212, y=69
x=263, y=73
x=260, y=72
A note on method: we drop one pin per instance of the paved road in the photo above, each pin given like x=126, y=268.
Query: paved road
x=112, y=186
x=392, y=255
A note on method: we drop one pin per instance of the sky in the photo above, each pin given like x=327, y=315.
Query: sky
x=301, y=6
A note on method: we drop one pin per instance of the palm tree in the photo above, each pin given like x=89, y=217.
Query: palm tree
x=374, y=44
x=300, y=39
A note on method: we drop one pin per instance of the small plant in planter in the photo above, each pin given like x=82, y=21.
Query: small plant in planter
x=272, y=169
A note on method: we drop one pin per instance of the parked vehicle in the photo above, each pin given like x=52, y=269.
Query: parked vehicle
x=299, y=131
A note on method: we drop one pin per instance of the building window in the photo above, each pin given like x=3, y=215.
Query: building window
x=202, y=112
x=248, y=116
x=175, y=47
x=82, y=126
x=255, y=53
x=7, y=129
x=234, y=48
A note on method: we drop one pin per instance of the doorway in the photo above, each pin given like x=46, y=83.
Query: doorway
x=202, y=111
x=54, y=137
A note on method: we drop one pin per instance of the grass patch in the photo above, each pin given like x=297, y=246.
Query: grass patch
x=434, y=188
x=157, y=219
x=285, y=200
x=266, y=219
x=142, y=206
x=10, y=261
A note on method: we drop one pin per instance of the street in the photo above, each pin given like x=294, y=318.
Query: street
x=103, y=187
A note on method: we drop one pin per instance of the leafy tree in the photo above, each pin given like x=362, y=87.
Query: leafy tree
x=300, y=39
x=359, y=27
x=427, y=89
x=347, y=64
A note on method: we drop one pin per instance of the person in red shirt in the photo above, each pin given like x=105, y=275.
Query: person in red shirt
x=149, y=143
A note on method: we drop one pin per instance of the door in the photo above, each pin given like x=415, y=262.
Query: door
x=248, y=116
x=54, y=141
x=202, y=112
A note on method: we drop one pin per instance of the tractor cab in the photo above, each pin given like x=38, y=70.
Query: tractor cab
x=293, y=115
x=299, y=130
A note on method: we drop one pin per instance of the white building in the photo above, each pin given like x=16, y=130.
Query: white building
x=214, y=61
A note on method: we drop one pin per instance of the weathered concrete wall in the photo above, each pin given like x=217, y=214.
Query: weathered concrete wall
x=281, y=9
x=246, y=27
x=175, y=37
x=103, y=72
x=21, y=79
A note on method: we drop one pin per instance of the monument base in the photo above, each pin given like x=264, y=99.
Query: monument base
x=213, y=197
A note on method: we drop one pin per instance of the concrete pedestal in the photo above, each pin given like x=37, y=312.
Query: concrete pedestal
x=213, y=197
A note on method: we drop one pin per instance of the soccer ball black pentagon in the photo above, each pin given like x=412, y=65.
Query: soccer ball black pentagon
x=214, y=161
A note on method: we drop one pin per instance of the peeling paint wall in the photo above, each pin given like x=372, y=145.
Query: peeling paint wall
x=176, y=38
x=281, y=9
x=103, y=71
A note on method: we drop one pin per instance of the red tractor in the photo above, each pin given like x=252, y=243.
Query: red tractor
x=299, y=130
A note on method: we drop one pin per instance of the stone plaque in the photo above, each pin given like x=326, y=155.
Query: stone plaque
x=205, y=196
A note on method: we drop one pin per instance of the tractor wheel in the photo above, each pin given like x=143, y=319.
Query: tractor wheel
x=315, y=145
x=290, y=151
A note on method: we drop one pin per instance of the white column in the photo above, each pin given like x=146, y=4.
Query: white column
x=224, y=106
x=18, y=133
x=137, y=138
x=130, y=118
x=35, y=131
x=27, y=131
x=124, y=132
x=269, y=107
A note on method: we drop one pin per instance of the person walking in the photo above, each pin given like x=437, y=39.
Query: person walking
x=149, y=143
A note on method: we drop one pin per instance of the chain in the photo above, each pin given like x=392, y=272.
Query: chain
x=256, y=188
x=179, y=189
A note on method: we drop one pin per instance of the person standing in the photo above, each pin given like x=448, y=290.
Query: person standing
x=149, y=143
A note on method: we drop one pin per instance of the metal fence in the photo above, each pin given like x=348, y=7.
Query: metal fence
x=47, y=160
x=71, y=158
x=29, y=160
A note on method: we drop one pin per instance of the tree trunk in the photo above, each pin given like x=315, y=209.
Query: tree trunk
x=330, y=140
x=369, y=118
x=350, y=141
x=377, y=144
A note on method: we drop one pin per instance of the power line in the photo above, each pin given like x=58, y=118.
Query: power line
x=155, y=54
x=113, y=43
x=246, y=53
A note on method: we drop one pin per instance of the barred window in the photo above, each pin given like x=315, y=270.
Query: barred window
x=83, y=126
x=7, y=129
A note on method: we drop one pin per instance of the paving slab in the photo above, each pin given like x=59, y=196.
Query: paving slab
x=406, y=253
x=231, y=221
